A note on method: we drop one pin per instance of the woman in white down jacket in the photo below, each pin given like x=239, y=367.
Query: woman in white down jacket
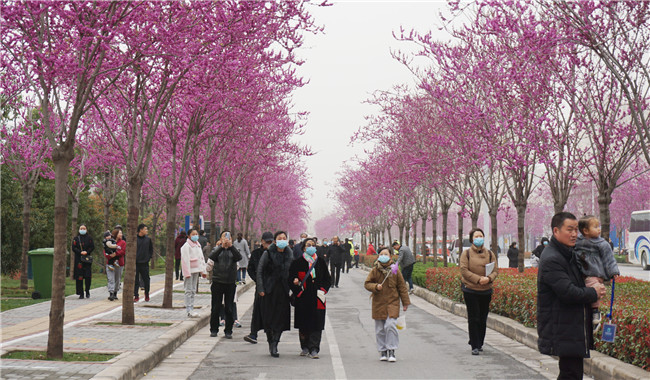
x=193, y=264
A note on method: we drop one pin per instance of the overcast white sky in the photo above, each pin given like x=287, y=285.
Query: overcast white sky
x=344, y=66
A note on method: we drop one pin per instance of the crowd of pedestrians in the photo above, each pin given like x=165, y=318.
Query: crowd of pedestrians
x=573, y=265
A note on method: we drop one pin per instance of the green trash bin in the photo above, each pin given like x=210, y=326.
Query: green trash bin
x=42, y=262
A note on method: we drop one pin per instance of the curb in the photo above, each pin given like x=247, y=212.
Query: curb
x=599, y=366
x=139, y=362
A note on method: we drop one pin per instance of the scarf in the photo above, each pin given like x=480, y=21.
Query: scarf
x=193, y=244
x=310, y=261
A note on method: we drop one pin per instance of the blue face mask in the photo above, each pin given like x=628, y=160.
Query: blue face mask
x=82, y=232
x=384, y=259
x=282, y=244
x=545, y=243
x=479, y=242
x=310, y=250
x=195, y=238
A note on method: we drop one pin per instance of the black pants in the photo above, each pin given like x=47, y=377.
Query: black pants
x=348, y=263
x=141, y=271
x=222, y=294
x=407, y=273
x=478, y=306
x=177, y=266
x=222, y=313
x=255, y=318
x=570, y=368
x=80, y=285
x=356, y=261
x=335, y=271
x=310, y=339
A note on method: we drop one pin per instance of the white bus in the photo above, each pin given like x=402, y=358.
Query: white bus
x=639, y=239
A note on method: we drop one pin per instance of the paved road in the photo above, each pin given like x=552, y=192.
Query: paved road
x=634, y=271
x=433, y=346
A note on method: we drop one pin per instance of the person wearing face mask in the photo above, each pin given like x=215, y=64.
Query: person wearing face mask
x=478, y=270
x=388, y=287
x=538, y=250
x=273, y=288
x=310, y=281
x=82, y=247
x=256, y=318
x=223, y=263
x=193, y=266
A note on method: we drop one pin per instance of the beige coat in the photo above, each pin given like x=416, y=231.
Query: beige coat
x=386, y=303
x=473, y=268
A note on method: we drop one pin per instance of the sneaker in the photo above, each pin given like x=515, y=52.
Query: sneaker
x=480, y=349
x=391, y=356
x=222, y=323
x=111, y=268
x=251, y=339
x=214, y=334
x=411, y=291
x=384, y=356
x=146, y=298
x=313, y=354
x=228, y=335
x=136, y=299
x=475, y=351
x=87, y=294
x=237, y=324
x=304, y=352
x=193, y=314
x=245, y=280
x=81, y=296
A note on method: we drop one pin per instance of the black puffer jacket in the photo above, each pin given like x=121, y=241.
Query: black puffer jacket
x=564, y=322
x=274, y=266
x=225, y=264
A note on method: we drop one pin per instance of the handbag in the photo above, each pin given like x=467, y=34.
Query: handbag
x=293, y=297
x=85, y=259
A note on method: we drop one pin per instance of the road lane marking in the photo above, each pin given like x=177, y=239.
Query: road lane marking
x=335, y=354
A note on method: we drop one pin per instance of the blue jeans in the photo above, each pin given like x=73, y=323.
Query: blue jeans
x=407, y=273
x=241, y=274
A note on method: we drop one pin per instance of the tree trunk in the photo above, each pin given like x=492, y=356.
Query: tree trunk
x=133, y=202
x=434, y=243
x=390, y=237
x=495, y=237
x=74, y=219
x=474, y=220
x=424, y=239
x=415, y=239
x=521, y=233
x=460, y=229
x=604, y=200
x=107, y=216
x=401, y=233
x=196, y=209
x=28, y=195
x=171, y=210
x=445, y=216
x=407, y=234
x=154, y=237
x=61, y=157
x=213, y=221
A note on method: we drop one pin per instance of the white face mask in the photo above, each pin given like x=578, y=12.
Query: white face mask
x=82, y=232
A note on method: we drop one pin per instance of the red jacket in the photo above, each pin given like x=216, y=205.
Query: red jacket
x=178, y=244
x=371, y=250
x=119, y=253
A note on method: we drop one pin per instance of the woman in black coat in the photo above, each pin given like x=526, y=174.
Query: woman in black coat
x=82, y=247
x=309, y=301
x=513, y=256
x=273, y=287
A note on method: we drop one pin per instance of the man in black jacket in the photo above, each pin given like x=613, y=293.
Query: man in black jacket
x=267, y=240
x=224, y=259
x=335, y=253
x=143, y=255
x=564, y=323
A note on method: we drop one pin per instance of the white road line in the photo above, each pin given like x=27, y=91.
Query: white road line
x=74, y=323
x=337, y=362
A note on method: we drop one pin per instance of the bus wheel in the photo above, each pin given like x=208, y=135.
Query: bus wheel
x=644, y=261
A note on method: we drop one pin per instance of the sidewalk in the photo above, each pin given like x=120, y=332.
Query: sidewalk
x=26, y=328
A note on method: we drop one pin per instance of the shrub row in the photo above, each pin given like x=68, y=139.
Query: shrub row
x=515, y=297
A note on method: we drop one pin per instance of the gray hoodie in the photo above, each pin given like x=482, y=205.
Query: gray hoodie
x=595, y=258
